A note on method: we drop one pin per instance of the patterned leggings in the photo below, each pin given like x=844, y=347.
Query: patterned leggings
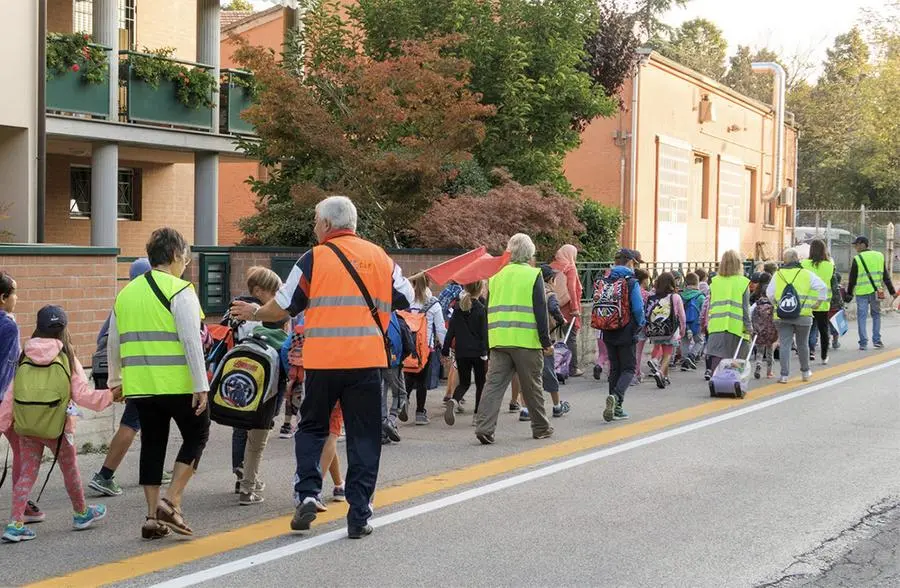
x=27, y=453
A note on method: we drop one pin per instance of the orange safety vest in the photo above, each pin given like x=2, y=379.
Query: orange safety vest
x=340, y=331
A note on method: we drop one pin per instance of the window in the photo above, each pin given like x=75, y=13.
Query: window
x=751, y=192
x=83, y=20
x=129, y=193
x=700, y=183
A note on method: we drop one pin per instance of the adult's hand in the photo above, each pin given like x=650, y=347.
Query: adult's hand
x=548, y=351
x=117, y=394
x=199, y=402
x=243, y=311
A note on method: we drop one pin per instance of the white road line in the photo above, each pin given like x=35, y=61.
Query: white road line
x=414, y=511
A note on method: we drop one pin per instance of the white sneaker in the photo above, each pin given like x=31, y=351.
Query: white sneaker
x=825, y=361
x=807, y=375
x=783, y=380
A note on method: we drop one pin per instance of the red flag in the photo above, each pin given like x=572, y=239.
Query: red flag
x=443, y=272
x=481, y=269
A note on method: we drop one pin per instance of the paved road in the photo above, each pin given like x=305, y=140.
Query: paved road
x=750, y=500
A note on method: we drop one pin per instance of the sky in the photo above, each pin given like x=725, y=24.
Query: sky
x=804, y=27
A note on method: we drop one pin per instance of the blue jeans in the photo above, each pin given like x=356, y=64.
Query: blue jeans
x=238, y=446
x=360, y=394
x=868, y=304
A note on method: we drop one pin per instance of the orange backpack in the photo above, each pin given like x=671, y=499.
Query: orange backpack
x=417, y=321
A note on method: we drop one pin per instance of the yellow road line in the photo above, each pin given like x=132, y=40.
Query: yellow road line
x=211, y=545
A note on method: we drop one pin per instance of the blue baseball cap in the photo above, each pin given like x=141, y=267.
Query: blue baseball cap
x=139, y=267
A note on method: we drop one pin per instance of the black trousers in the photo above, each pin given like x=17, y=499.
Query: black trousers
x=465, y=366
x=419, y=382
x=360, y=394
x=156, y=414
x=622, y=364
x=820, y=320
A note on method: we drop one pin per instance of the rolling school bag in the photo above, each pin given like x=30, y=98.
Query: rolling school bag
x=244, y=389
x=562, y=356
x=732, y=375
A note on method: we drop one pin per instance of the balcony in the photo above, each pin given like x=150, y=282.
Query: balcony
x=154, y=89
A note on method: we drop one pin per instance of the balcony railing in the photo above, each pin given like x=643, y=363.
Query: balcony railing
x=236, y=95
x=68, y=91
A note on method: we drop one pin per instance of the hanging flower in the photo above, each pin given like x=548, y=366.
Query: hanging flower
x=75, y=67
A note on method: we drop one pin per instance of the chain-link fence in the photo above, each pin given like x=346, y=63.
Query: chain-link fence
x=838, y=228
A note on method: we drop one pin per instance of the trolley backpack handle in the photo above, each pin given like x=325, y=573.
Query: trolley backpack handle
x=749, y=353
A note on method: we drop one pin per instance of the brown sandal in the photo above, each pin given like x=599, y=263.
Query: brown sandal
x=170, y=516
x=153, y=529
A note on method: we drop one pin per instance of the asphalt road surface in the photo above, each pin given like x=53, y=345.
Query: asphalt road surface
x=797, y=485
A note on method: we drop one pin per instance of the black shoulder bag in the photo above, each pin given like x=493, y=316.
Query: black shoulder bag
x=373, y=310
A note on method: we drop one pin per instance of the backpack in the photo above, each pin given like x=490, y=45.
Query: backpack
x=560, y=285
x=692, y=309
x=763, y=322
x=789, y=304
x=660, y=317
x=244, y=390
x=612, y=308
x=41, y=396
x=403, y=344
x=417, y=322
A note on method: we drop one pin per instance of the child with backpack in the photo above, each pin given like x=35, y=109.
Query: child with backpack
x=692, y=299
x=426, y=322
x=468, y=335
x=762, y=317
x=40, y=406
x=402, y=345
x=665, y=327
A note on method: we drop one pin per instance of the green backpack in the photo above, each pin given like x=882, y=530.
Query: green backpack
x=41, y=395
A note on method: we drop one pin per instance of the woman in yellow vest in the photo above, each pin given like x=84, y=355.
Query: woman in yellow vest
x=811, y=292
x=726, y=312
x=820, y=264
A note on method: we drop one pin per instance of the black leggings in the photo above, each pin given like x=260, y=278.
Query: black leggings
x=464, y=367
x=420, y=383
x=156, y=414
x=820, y=318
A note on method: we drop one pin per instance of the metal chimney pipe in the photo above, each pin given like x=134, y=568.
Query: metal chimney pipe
x=779, y=97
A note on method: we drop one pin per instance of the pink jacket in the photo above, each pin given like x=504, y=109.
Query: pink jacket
x=565, y=263
x=42, y=352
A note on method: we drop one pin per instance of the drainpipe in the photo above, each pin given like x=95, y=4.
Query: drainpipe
x=644, y=56
x=41, y=122
x=779, y=95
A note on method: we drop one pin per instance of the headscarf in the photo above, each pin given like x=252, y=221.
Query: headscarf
x=565, y=258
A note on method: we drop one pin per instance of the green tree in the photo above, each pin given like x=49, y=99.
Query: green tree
x=648, y=15
x=526, y=61
x=611, y=49
x=742, y=78
x=698, y=44
x=238, y=5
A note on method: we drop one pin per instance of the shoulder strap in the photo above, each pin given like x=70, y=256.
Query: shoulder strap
x=159, y=295
x=52, y=465
x=868, y=275
x=354, y=275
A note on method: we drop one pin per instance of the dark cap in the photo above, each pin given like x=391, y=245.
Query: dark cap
x=52, y=319
x=861, y=239
x=760, y=277
x=631, y=254
x=547, y=272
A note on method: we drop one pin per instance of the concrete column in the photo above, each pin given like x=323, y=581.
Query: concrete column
x=105, y=195
x=208, y=45
x=206, y=198
x=106, y=32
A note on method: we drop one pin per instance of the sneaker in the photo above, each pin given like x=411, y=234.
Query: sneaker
x=667, y=381
x=390, y=430
x=259, y=486
x=878, y=345
x=359, y=532
x=812, y=356
x=562, y=409
x=286, y=431
x=485, y=438
x=707, y=375
x=660, y=380
x=544, y=434
x=514, y=407
x=403, y=415
x=33, y=514
x=422, y=418
x=462, y=401
x=16, y=532
x=385, y=440
x=689, y=362
x=637, y=381
x=620, y=414
x=105, y=487
x=598, y=371
x=757, y=372
x=304, y=515
x=783, y=380
x=610, y=409
x=654, y=368
x=339, y=494
x=320, y=505
x=807, y=375
x=249, y=498
x=524, y=417
x=450, y=408
x=862, y=347
x=836, y=343
x=167, y=477
x=825, y=360
x=83, y=520
x=459, y=408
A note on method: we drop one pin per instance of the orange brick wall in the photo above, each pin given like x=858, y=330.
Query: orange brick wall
x=85, y=286
x=236, y=201
x=167, y=199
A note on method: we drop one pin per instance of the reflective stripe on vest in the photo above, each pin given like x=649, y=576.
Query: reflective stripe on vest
x=726, y=305
x=802, y=284
x=340, y=331
x=511, y=321
x=153, y=360
x=825, y=271
x=875, y=262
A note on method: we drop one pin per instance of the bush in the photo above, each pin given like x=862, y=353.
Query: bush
x=602, y=225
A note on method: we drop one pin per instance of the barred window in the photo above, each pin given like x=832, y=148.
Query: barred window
x=128, y=193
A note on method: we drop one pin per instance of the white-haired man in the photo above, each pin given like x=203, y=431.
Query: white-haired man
x=347, y=287
x=518, y=337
